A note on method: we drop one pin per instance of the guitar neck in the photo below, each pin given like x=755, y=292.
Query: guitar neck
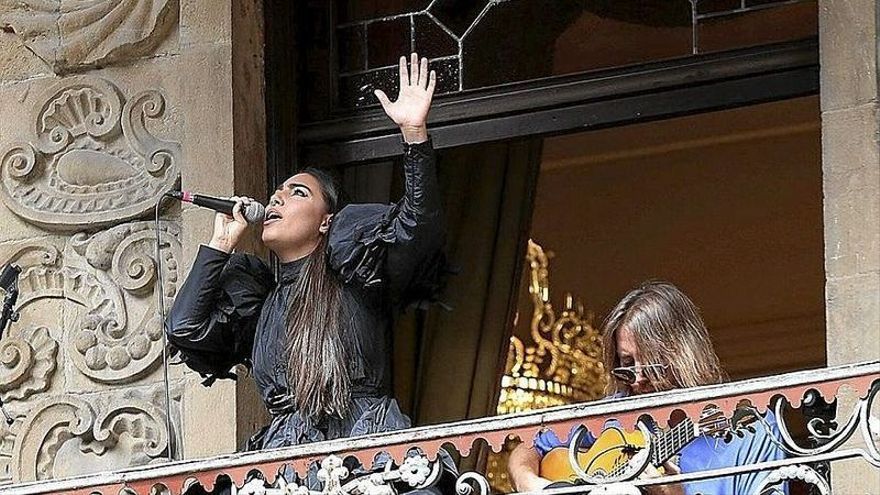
x=669, y=442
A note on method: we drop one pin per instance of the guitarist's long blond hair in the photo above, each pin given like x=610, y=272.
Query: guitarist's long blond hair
x=668, y=330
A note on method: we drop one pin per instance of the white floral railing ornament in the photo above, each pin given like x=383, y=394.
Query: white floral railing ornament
x=798, y=472
x=472, y=483
x=417, y=472
x=861, y=379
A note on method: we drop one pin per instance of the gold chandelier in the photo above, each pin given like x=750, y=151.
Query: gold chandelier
x=562, y=364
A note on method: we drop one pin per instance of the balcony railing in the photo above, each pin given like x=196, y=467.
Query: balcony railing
x=855, y=435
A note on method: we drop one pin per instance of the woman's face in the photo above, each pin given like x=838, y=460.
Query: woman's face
x=296, y=218
x=628, y=354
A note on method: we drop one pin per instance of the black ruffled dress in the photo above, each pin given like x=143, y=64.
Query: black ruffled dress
x=231, y=309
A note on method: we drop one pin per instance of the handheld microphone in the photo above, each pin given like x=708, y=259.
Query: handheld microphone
x=253, y=212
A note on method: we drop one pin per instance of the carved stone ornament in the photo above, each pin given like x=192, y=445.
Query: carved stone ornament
x=27, y=363
x=68, y=435
x=68, y=34
x=106, y=347
x=91, y=161
x=105, y=344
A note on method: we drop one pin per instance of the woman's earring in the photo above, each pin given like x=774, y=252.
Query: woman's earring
x=325, y=225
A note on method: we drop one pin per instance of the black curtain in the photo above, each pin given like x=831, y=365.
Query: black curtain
x=448, y=364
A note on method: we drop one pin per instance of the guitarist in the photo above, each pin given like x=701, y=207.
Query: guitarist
x=655, y=340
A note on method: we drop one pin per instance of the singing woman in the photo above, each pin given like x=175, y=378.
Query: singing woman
x=317, y=339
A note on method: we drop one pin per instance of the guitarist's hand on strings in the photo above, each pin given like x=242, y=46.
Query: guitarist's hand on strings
x=651, y=472
x=523, y=467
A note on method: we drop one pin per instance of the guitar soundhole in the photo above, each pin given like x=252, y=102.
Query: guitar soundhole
x=630, y=450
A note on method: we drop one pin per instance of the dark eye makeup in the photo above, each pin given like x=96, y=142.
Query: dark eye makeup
x=299, y=189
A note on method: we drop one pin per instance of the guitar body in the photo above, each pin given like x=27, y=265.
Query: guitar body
x=614, y=448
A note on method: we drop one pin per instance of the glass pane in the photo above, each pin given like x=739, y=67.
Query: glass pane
x=356, y=90
x=352, y=48
x=484, y=43
x=572, y=38
x=387, y=41
x=757, y=25
x=458, y=15
x=431, y=40
x=362, y=10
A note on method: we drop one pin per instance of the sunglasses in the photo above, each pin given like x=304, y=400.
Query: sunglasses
x=630, y=374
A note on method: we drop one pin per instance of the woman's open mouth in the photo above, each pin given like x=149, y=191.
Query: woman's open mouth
x=271, y=217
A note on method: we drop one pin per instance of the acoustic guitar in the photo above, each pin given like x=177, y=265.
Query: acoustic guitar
x=610, y=455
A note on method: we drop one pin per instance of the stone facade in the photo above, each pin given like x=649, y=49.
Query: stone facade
x=851, y=176
x=106, y=106
x=848, y=44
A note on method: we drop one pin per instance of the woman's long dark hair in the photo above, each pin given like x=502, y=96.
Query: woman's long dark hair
x=318, y=360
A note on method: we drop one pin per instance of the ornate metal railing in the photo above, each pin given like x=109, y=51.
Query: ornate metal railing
x=834, y=441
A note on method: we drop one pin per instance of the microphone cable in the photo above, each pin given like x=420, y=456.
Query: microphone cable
x=161, y=307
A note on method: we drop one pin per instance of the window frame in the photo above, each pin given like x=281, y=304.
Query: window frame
x=590, y=100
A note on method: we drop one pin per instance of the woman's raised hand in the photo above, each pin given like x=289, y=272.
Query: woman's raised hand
x=410, y=110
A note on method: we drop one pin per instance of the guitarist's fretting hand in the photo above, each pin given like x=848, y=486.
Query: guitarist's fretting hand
x=652, y=472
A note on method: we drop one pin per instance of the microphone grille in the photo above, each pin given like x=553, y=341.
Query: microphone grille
x=254, y=212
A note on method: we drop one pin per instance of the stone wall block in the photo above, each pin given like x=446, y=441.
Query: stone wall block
x=853, y=305
x=851, y=158
x=848, y=51
x=205, y=23
x=128, y=348
x=196, y=227
x=851, y=182
x=16, y=230
x=208, y=409
x=113, y=103
x=33, y=341
x=101, y=432
x=17, y=62
x=88, y=325
x=851, y=246
x=249, y=115
x=207, y=103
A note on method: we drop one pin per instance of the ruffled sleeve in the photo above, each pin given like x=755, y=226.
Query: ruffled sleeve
x=400, y=246
x=214, y=317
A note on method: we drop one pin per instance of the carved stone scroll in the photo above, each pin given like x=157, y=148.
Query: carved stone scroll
x=27, y=363
x=69, y=435
x=91, y=161
x=102, y=348
x=103, y=273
